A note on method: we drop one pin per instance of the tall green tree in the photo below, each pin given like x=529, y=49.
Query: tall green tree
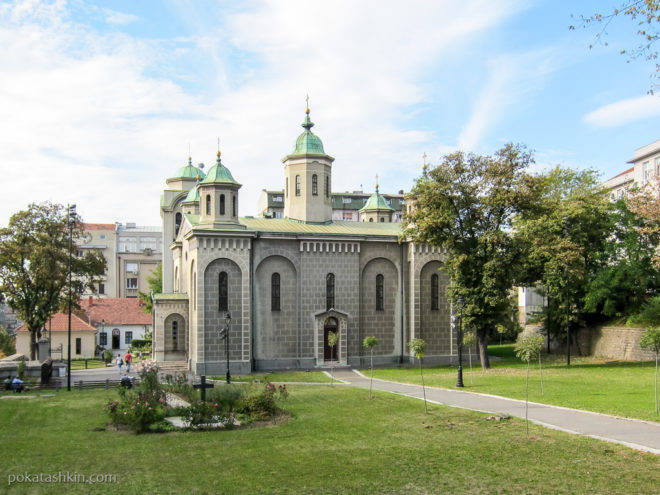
x=565, y=239
x=34, y=261
x=155, y=281
x=466, y=205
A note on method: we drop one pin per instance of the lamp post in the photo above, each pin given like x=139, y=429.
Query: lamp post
x=71, y=220
x=460, y=303
x=224, y=335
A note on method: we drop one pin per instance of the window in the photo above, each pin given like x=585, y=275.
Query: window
x=329, y=291
x=78, y=345
x=208, y=204
x=434, y=292
x=222, y=204
x=131, y=267
x=132, y=283
x=175, y=333
x=128, y=337
x=327, y=186
x=275, y=292
x=347, y=216
x=647, y=171
x=80, y=253
x=277, y=199
x=102, y=236
x=382, y=219
x=223, y=302
x=346, y=200
x=127, y=244
x=149, y=242
x=101, y=288
x=103, y=338
x=297, y=185
x=177, y=223
x=371, y=219
x=315, y=185
x=233, y=205
x=379, y=293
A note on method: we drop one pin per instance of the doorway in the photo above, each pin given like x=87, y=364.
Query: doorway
x=115, y=339
x=329, y=353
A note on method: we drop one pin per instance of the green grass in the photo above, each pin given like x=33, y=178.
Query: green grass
x=336, y=441
x=618, y=388
x=77, y=364
x=281, y=376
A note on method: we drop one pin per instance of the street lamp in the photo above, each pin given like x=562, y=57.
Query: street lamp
x=461, y=304
x=224, y=335
x=71, y=220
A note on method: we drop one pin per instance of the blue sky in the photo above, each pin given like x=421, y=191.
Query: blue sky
x=100, y=101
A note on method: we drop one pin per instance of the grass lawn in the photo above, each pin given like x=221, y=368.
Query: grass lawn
x=91, y=364
x=619, y=388
x=337, y=441
x=281, y=376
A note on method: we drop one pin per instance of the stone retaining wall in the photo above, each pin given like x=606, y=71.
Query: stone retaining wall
x=619, y=343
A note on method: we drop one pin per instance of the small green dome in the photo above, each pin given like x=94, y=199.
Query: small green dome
x=193, y=195
x=308, y=143
x=376, y=202
x=189, y=171
x=219, y=174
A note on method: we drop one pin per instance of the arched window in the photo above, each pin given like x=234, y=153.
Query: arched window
x=315, y=185
x=222, y=204
x=177, y=223
x=223, y=296
x=233, y=206
x=382, y=219
x=327, y=186
x=371, y=219
x=208, y=204
x=379, y=292
x=329, y=291
x=275, y=292
x=297, y=185
x=434, y=292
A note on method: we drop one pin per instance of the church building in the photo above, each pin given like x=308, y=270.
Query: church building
x=282, y=284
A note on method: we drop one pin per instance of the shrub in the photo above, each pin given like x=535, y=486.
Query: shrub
x=107, y=356
x=227, y=396
x=20, y=371
x=137, y=409
x=178, y=384
x=648, y=315
x=260, y=402
x=202, y=414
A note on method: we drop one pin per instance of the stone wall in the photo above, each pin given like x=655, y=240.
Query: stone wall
x=619, y=343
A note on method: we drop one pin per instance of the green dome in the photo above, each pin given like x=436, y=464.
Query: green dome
x=376, y=202
x=193, y=195
x=189, y=172
x=219, y=174
x=308, y=143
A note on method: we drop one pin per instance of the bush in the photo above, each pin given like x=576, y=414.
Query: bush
x=648, y=315
x=107, y=356
x=179, y=385
x=227, y=396
x=204, y=414
x=260, y=402
x=21, y=369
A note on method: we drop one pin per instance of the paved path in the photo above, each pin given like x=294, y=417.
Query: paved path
x=638, y=434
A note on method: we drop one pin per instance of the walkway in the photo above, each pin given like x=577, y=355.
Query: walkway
x=637, y=434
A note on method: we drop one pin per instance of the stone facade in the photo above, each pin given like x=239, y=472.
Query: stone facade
x=287, y=283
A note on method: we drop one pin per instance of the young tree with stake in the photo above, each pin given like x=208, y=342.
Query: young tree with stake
x=418, y=346
x=370, y=343
x=527, y=348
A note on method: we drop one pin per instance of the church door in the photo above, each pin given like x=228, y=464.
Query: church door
x=328, y=352
x=115, y=339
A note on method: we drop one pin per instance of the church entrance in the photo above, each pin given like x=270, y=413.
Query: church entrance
x=329, y=353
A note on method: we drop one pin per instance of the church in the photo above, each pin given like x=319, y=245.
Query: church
x=264, y=293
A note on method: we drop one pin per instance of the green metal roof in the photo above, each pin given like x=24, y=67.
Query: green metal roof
x=170, y=296
x=308, y=143
x=193, y=195
x=377, y=203
x=189, y=171
x=219, y=174
x=286, y=226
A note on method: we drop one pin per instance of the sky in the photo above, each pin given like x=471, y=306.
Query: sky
x=101, y=101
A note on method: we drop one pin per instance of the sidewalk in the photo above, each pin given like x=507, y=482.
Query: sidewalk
x=637, y=434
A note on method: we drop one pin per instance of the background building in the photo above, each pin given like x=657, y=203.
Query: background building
x=83, y=340
x=645, y=168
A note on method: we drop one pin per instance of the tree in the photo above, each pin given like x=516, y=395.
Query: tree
x=155, y=281
x=527, y=348
x=651, y=340
x=565, y=239
x=333, y=338
x=370, y=343
x=646, y=13
x=417, y=347
x=34, y=262
x=6, y=342
x=466, y=205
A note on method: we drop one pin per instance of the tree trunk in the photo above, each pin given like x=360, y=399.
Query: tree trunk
x=33, y=345
x=483, y=349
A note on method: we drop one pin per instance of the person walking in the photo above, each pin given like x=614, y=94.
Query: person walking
x=127, y=359
x=119, y=363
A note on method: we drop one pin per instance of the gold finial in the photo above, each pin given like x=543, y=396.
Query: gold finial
x=199, y=177
x=218, y=154
x=307, y=104
x=376, y=182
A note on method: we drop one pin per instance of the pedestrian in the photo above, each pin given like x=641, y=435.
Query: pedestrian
x=127, y=359
x=17, y=385
x=119, y=363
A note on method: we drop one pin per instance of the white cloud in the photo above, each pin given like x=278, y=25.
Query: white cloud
x=114, y=17
x=624, y=111
x=81, y=119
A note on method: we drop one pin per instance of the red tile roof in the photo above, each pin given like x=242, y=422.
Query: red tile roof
x=99, y=226
x=60, y=323
x=622, y=173
x=116, y=311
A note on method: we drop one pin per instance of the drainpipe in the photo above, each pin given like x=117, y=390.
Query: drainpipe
x=253, y=313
